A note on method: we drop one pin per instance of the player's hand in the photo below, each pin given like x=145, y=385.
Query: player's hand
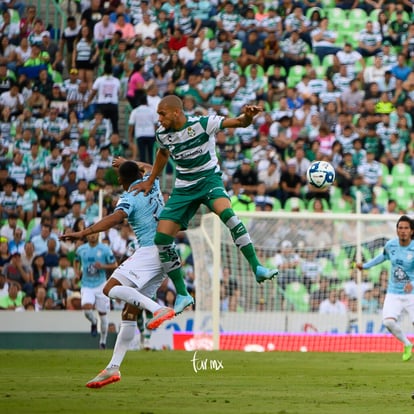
x=359, y=266
x=98, y=265
x=71, y=236
x=116, y=162
x=143, y=186
x=408, y=288
x=252, y=110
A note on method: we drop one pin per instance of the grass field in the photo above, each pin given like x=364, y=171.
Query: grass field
x=165, y=382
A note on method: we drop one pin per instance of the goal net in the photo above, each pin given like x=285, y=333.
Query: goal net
x=318, y=302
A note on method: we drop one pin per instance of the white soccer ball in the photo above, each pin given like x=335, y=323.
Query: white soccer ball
x=320, y=174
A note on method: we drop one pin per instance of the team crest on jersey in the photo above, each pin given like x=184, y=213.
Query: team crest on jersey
x=409, y=256
x=191, y=132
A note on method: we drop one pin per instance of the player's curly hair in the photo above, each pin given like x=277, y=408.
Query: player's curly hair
x=129, y=171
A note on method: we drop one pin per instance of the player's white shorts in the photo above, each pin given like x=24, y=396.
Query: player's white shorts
x=96, y=297
x=395, y=304
x=141, y=271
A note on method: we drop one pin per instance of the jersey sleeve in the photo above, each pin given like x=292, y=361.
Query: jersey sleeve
x=214, y=123
x=124, y=204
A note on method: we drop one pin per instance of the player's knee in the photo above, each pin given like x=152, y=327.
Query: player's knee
x=129, y=313
x=162, y=239
x=388, y=323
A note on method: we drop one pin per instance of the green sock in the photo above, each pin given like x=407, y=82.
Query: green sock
x=240, y=236
x=177, y=278
x=250, y=254
x=171, y=262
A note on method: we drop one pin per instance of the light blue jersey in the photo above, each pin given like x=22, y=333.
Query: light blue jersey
x=88, y=256
x=143, y=211
x=402, y=265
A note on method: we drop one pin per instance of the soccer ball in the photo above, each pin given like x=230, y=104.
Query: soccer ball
x=320, y=174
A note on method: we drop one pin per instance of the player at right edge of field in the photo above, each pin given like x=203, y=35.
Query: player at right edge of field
x=190, y=141
x=400, y=296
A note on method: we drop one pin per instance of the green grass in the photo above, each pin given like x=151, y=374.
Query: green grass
x=165, y=382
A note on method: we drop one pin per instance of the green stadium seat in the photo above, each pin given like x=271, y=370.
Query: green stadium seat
x=400, y=172
x=358, y=15
x=235, y=50
x=336, y=16
x=277, y=205
x=295, y=75
x=260, y=70
x=271, y=68
x=339, y=205
x=328, y=4
x=406, y=16
x=381, y=196
x=297, y=297
x=373, y=16
x=402, y=196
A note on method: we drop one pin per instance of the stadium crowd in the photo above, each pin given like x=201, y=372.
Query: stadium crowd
x=334, y=78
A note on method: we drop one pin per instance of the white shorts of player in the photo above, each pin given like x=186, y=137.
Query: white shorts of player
x=141, y=271
x=95, y=297
x=395, y=304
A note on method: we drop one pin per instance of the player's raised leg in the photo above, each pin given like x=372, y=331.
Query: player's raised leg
x=242, y=239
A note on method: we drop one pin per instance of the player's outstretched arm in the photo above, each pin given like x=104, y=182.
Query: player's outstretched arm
x=143, y=166
x=102, y=225
x=244, y=119
x=161, y=160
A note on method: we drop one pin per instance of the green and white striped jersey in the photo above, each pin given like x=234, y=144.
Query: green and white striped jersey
x=193, y=148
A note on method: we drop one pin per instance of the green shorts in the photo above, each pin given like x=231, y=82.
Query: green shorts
x=184, y=202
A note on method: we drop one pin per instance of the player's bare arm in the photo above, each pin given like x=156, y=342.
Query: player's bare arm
x=143, y=166
x=244, y=119
x=105, y=224
x=161, y=160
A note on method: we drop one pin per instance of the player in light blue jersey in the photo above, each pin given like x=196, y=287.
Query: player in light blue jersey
x=92, y=261
x=190, y=141
x=400, y=295
x=138, y=278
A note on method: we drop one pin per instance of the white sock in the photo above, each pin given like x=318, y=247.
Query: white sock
x=125, y=336
x=90, y=316
x=104, y=328
x=396, y=330
x=133, y=297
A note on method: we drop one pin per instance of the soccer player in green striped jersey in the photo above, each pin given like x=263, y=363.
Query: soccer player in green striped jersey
x=190, y=142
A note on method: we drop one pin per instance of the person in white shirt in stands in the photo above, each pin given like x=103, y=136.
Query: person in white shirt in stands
x=142, y=122
x=332, y=305
x=107, y=88
x=376, y=72
x=103, y=30
x=349, y=57
x=146, y=28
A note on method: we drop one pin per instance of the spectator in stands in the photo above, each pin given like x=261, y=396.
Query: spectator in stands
x=251, y=50
x=40, y=241
x=103, y=30
x=93, y=14
x=9, y=227
x=401, y=70
x=290, y=182
x=85, y=55
x=323, y=40
x=13, y=299
x=16, y=272
x=332, y=305
x=352, y=98
x=17, y=243
x=8, y=199
x=349, y=57
x=369, y=43
x=294, y=51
